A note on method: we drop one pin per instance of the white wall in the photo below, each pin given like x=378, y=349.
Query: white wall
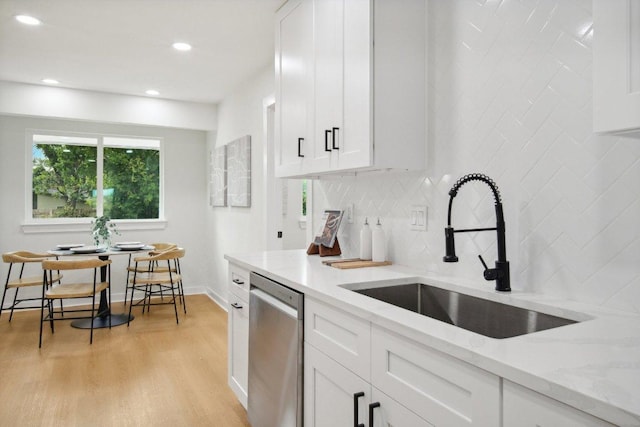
x=48, y=101
x=510, y=96
x=234, y=229
x=184, y=195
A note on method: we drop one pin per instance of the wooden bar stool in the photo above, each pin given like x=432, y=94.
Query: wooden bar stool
x=158, y=282
x=146, y=267
x=88, y=289
x=17, y=261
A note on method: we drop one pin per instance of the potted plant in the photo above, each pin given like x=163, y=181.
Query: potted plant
x=101, y=230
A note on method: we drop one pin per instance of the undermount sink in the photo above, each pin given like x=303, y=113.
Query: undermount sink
x=485, y=317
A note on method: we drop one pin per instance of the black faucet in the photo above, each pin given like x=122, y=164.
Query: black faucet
x=501, y=271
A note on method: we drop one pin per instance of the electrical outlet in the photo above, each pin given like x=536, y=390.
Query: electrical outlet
x=349, y=213
x=418, y=218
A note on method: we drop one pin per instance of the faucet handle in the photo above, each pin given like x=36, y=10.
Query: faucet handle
x=489, y=273
x=484, y=264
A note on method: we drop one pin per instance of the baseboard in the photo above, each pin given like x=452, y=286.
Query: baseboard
x=217, y=298
x=119, y=297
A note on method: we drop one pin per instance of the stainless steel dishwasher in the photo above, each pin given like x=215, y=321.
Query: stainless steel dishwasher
x=275, y=354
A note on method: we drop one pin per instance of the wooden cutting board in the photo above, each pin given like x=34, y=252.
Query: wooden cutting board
x=333, y=261
x=359, y=264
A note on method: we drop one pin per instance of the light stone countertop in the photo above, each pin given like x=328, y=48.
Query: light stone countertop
x=593, y=365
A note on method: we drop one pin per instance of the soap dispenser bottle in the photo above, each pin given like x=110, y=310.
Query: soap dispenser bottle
x=378, y=244
x=365, y=241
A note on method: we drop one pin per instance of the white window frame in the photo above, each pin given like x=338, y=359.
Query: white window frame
x=45, y=225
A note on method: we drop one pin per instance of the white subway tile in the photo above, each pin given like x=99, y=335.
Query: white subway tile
x=510, y=95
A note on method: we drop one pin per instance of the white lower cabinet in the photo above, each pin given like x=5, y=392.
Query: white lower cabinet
x=392, y=414
x=340, y=335
x=526, y=408
x=439, y=388
x=329, y=390
x=238, y=332
x=334, y=395
x=407, y=383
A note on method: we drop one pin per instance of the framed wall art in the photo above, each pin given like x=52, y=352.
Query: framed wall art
x=218, y=176
x=239, y=172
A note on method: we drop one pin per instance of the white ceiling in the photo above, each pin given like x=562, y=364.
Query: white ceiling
x=124, y=46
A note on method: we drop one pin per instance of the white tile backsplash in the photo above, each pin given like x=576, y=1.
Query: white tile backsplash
x=510, y=96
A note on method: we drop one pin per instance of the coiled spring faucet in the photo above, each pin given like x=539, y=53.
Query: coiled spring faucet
x=501, y=271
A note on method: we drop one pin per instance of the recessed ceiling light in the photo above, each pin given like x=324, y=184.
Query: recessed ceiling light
x=28, y=20
x=152, y=92
x=50, y=81
x=182, y=46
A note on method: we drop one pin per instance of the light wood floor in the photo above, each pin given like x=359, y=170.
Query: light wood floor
x=153, y=373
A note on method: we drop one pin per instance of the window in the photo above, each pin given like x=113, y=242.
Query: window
x=131, y=176
x=89, y=176
x=304, y=197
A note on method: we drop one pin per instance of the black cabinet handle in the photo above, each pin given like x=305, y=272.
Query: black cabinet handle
x=236, y=305
x=356, y=396
x=326, y=140
x=299, y=149
x=238, y=282
x=333, y=143
x=372, y=406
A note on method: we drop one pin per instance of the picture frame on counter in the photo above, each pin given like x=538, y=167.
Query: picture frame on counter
x=326, y=236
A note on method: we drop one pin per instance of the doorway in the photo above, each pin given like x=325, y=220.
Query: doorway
x=287, y=201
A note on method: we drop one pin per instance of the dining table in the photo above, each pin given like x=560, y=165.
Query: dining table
x=106, y=318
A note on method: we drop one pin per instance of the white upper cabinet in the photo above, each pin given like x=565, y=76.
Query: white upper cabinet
x=616, y=73
x=328, y=82
x=363, y=102
x=343, y=84
x=294, y=41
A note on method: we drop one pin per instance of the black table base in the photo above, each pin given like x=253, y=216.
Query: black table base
x=102, y=322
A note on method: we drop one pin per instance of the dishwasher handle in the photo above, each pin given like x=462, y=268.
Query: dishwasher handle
x=274, y=302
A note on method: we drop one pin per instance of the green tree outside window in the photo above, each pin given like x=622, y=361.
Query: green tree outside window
x=65, y=183
x=134, y=178
x=65, y=176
